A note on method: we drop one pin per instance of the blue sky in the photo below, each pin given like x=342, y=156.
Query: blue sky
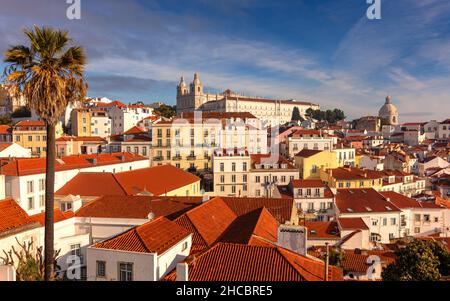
x=324, y=51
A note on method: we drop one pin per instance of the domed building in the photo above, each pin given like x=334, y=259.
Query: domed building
x=388, y=113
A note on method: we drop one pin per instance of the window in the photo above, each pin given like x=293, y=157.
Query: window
x=101, y=268
x=125, y=271
x=17, y=138
x=374, y=222
x=30, y=187
x=417, y=217
x=384, y=221
x=283, y=179
x=233, y=178
x=244, y=178
x=30, y=203
x=233, y=189
x=41, y=200
x=136, y=150
x=41, y=184
x=258, y=192
x=417, y=230
x=75, y=250
x=222, y=179
x=233, y=166
x=30, y=138
x=222, y=167
x=426, y=218
x=393, y=221
x=222, y=188
x=258, y=179
x=144, y=151
x=244, y=166
x=391, y=236
x=185, y=246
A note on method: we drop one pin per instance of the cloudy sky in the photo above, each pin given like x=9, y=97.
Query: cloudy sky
x=324, y=51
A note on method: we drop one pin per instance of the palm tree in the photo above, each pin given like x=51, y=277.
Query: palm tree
x=49, y=73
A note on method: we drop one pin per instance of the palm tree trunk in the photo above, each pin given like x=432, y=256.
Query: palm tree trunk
x=49, y=202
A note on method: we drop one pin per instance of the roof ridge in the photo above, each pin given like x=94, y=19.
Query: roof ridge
x=301, y=268
x=120, y=184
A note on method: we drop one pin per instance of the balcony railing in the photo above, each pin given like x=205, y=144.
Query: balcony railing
x=191, y=158
x=176, y=158
x=158, y=158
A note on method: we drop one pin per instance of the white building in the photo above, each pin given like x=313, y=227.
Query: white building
x=307, y=139
x=420, y=218
x=381, y=216
x=270, y=111
x=100, y=124
x=444, y=129
x=144, y=253
x=14, y=150
x=124, y=118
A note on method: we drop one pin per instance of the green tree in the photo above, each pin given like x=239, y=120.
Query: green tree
x=49, y=73
x=414, y=262
x=166, y=111
x=296, y=115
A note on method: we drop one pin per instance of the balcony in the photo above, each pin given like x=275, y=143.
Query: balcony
x=191, y=158
x=158, y=158
x=176, y=158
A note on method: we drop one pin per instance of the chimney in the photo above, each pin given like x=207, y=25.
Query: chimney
x=205, y=198
x=182, y=271
x=93, y=161
x=327, y=256
x=293, y=238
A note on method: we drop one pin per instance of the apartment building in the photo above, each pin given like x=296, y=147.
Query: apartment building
x=32, y=134
x=307, y=139
x=124, y=118
x=74, y=145
x=190, y=143
x=350, y=177
x=310, y=162
x=444, y=130
x=90, y=122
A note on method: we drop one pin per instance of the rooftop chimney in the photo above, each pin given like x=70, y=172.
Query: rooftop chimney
x=182, y=271
x=293, y=238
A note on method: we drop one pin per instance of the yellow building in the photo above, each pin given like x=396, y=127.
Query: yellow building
x=350, y=177
x=310, y=162
x=81, y=122
x=32, y=134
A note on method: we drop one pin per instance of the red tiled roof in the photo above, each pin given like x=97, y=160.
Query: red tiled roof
x=78, y=138
x=211, y=219
x=281, y=209
x=92, y=184
x=258, y=224
x=30, y=166
x=362, y=201
x=115, y=103
x=12, y=216
x=354, y=262
x=306, y=153
x=138, y=207
x=156, y=236
x=135, y=130
x=351, y=173
x=157, y=180
x=30, y=123
x=5, y=129
x=58, y=216
x=352, y=223
x=308, y=183
x=322, y=230
x=4, y=146
x=402, y=201
x=236, y=262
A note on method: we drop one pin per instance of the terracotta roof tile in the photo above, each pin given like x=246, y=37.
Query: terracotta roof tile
x=5, y=129
x=236, y=262
x=155, y=236
x=402, y=201
x=135, y=130
x=58, y=216
x=322, y=230
x=157, y=180
x=306, y=153
x=30, y=166
x=362, y=201
x=12, y=216
x=138, y=207
x=352, y=223
x=92, y=184
x=281, y=209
